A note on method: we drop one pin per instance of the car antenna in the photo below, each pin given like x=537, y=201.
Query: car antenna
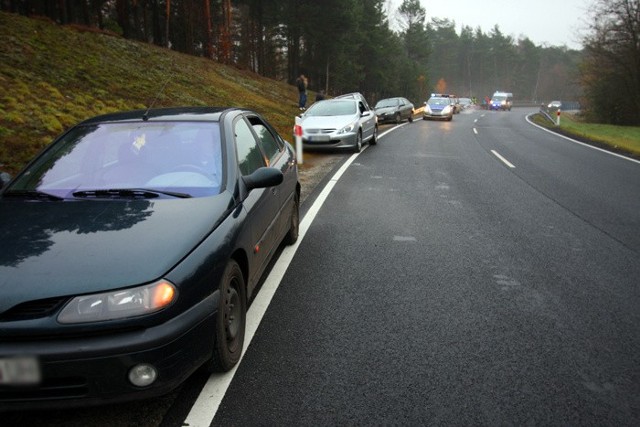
x=145, y=116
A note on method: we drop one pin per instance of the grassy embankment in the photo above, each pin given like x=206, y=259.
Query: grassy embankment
x=625, y=139
x=52, y=77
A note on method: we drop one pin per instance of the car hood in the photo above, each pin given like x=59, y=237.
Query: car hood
x=327, y=122
x=53, y=249
x=382, y=110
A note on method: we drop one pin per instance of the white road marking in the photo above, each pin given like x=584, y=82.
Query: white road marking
x=505, y=161
x=206, y=405
x=404, y=239
x=475, y=131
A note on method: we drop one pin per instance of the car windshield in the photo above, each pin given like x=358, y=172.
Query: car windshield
x=333, y=108
x=439, y=101
x=387, y=103
x=177, y=157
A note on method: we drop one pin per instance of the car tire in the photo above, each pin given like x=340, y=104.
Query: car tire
x=358, y=146
x=410, y=117
x=374, y=137
x=397, y=119
x=450, y=118
x=231, y=320
x=294, y=226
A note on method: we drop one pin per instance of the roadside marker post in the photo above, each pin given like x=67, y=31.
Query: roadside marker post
x=297, y=130
x=558, y=117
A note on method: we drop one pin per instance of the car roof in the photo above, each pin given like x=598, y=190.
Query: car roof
x=164, y=114
x=351, y=95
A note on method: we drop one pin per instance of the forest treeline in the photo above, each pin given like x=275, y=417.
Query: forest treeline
x=342, y=45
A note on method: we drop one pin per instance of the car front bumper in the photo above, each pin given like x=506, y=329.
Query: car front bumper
x=435, y=115
x=387, y=118
x=332, y=141
x=94, y=370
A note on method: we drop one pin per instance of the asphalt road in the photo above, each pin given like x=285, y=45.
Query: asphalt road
x=474, y=272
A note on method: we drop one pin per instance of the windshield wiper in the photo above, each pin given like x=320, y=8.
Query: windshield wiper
x=33, y=195
x=127, y=193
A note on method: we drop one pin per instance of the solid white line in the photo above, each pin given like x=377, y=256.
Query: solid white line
x=475, y=131
x=206, y=405
x=579, y=142
x=505, y=161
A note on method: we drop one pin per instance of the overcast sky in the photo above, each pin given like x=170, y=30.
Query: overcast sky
x=544, y=22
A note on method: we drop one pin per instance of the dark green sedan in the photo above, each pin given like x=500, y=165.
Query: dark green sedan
x=130, y=248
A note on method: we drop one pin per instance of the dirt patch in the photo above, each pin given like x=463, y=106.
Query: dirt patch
x=314, y=168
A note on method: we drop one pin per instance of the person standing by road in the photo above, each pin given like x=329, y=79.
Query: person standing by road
x=302, y=82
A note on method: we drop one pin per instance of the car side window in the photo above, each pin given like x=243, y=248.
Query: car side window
x=250, y=157
x=270, y=144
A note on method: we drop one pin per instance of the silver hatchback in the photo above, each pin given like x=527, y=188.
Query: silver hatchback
x=339, y=123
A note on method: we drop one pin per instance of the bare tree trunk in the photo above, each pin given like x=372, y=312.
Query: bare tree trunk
x=225, y=33
x=208, y=29
x=166, y=25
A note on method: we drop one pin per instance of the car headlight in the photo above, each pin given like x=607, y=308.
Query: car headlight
x=427, y=109
x=119, y=304
x=447, y=109
x=348, y=128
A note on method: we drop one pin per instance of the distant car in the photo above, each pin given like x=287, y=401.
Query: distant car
x=501, y=101
x=394, y=110
x=457, y=107
x=465, y=103
x=438, y=107
x=130, y=249
x=555, y=105
x=342, y=122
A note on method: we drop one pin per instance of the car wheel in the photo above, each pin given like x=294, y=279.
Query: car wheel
x=410, y=117
x=450, y=118
x=374, y=137
x=358, y=146
x=397, y=118
x=231, y=320
x=294, y=227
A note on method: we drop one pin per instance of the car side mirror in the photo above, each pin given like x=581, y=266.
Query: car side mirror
x=366, y=113
x=4, y=179
x=263, y=177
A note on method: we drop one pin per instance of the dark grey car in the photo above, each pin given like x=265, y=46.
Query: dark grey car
x=131, y=248
x=394, y=110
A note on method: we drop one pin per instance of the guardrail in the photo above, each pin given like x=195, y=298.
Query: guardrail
x=545, y=111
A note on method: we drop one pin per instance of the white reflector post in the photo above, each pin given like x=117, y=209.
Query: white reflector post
x=297, y=130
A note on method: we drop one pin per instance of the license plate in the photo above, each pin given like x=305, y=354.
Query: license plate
x=319, y=138
x=19, y=371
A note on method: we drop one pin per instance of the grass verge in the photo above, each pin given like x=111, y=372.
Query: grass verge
x=621, y=139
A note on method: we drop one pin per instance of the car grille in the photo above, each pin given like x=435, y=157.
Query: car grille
x=319, y=131
x=33, y=309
